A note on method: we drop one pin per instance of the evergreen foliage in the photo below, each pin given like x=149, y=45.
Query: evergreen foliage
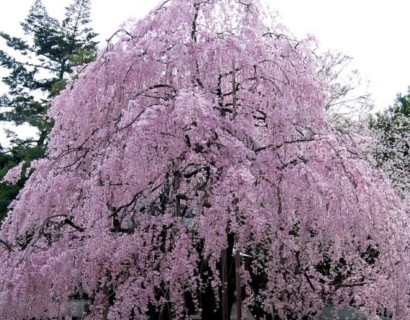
x=39, y=65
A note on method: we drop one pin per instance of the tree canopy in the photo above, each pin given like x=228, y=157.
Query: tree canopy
x=39, y=65
x=40, y=62
x=200, y=132
x=392, y=150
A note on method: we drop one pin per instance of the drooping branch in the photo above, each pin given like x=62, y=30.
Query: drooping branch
x=7, y=245
x=234, y=89
x=194, y=22
x=69, y=222
x=273, y=147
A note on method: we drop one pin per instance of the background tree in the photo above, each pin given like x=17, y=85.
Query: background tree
x=392, y=151
x=39, y=65
x=203, y=131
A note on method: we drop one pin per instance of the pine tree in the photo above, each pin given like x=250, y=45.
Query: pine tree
x=39, y=65
x=41, y=62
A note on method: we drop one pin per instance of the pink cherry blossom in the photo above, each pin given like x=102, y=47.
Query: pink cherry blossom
x=201, y=130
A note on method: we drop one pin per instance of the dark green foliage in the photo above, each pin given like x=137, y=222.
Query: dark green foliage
x=39, y=65
x=387, y=120
x=8, y=160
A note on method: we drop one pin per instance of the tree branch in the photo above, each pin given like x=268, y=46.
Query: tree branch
x=6, y=245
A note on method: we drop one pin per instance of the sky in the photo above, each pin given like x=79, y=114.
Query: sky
x=375, y=33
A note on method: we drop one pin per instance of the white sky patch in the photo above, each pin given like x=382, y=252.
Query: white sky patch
x=374, y=33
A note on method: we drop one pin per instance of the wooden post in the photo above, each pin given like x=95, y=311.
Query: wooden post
x=224, y=267
x=238, y=283
x=178, y=206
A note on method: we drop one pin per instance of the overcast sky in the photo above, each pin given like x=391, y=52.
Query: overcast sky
x=375, y=33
